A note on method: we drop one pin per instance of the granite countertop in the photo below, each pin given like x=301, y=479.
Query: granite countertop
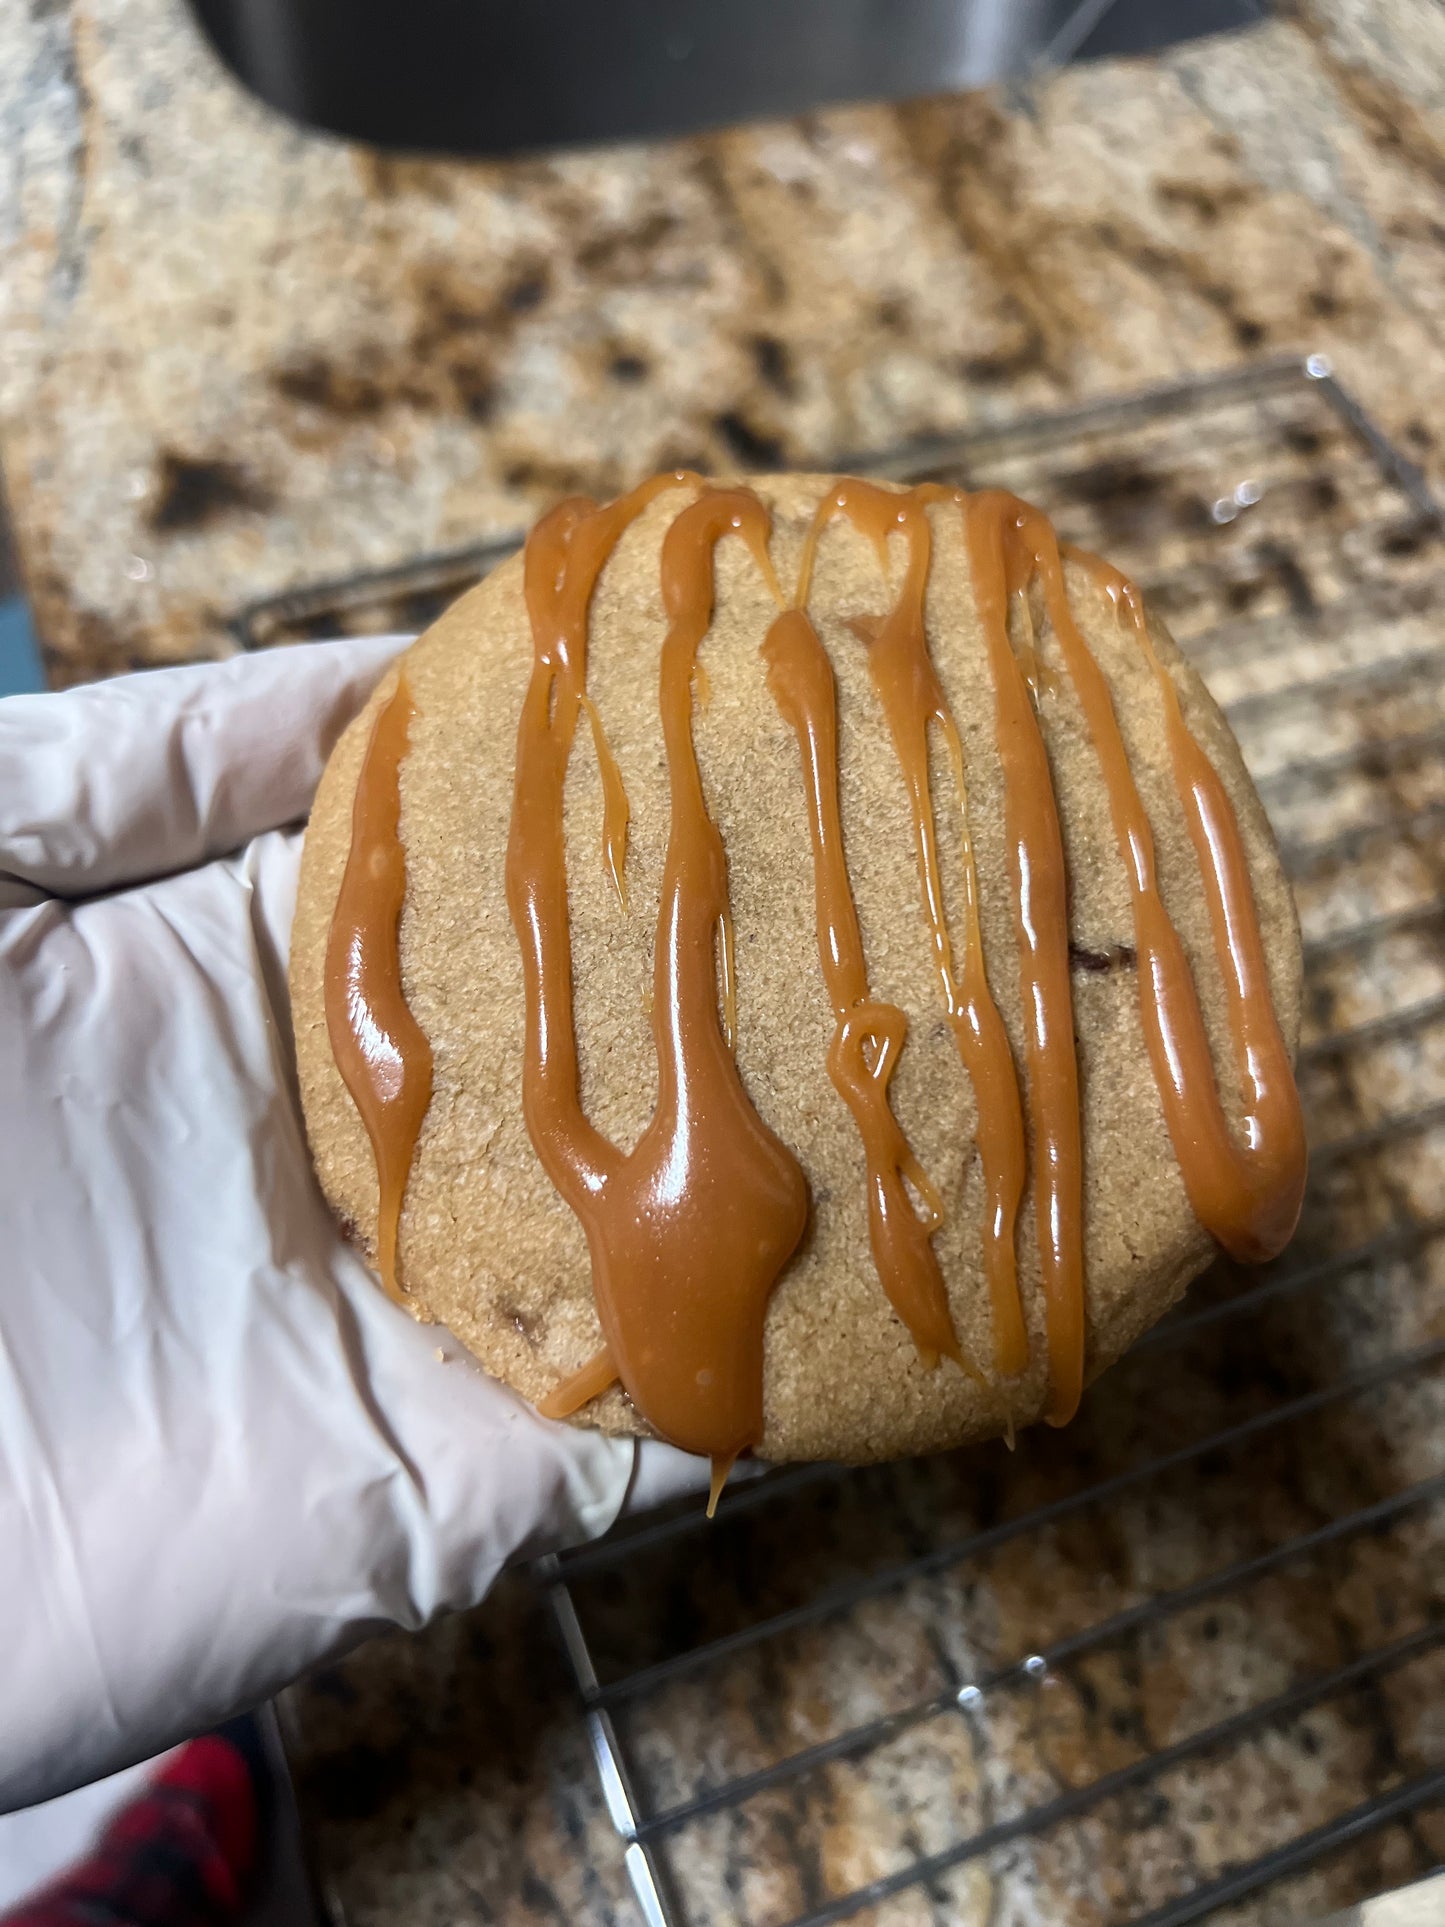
x=235, y=358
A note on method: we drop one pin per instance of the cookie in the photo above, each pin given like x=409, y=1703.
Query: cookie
x=797, y=964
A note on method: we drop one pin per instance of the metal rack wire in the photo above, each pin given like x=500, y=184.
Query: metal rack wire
x=1218, y=1595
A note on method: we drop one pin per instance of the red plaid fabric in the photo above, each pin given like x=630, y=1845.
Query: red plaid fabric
x=177, y=1856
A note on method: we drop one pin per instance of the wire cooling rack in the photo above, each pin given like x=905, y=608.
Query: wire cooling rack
x=1184, y=1659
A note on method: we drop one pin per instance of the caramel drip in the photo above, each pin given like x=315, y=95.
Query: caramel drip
x=590, y=1381
x=869, y=1035
x=912, y=698
x=720, y=1470
x=1247, y=1195
x=564, y=556
x=383, y=1056
x=1041, y=912
x=689, y=1231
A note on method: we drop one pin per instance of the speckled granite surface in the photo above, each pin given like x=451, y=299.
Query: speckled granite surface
x=234, y=358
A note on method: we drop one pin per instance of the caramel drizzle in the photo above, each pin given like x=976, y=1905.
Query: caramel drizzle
x=689, y=1231
x=1247, y=1196
x=869, y=1035
x=906, y=682
x=380, y=1050
x=579, y=1388
x=1041, y=919
x=616, y=810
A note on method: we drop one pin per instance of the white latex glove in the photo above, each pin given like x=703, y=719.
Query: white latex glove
x=224, y=1454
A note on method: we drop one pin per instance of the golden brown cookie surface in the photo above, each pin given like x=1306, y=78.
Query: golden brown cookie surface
x=486, y=1243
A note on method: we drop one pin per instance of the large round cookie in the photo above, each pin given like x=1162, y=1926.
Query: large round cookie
x=489, y=1248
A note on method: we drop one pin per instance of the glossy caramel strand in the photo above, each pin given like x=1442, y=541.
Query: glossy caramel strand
x=380, y=1050
x=689, y=1231
x=1246, y=1195
x=1000, y=566
x=616, y=811
x=590, y=1381
x=912, y=697
x=868, y=1035
x=721, y=1468
x=564, y=556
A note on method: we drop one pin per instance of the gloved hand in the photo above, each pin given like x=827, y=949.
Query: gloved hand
x=224, y=1454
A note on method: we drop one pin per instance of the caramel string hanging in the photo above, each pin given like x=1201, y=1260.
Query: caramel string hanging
x=380, y=1050
x=689, y=1231
x=1247, y=1195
